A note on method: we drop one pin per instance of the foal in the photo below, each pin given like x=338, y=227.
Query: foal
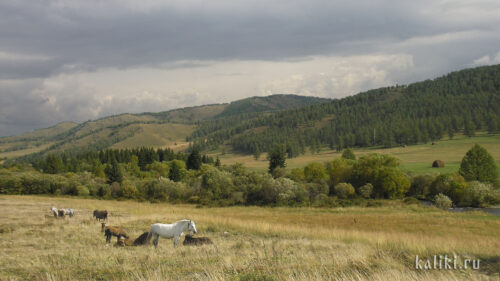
x=113, y=231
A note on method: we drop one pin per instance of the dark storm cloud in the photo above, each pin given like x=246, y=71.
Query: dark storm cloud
x=96, y=34
x=42, y=40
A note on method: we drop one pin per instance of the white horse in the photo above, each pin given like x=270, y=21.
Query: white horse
x=69, y=212
x=54, y=211
x=174, y=230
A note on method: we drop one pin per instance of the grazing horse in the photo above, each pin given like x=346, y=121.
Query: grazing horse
x=100, y=215
x=54, y=211
x=61, y=213
x=196, y=241
x=113, y=231
x=174, y=230
x=69, y=212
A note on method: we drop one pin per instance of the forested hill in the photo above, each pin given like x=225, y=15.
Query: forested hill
x=461, y=102
x=162, y=129
x=269, y=103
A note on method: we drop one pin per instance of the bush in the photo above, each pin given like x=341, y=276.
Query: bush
x=348, y=154
x=339, y=170
x=479, y=165
x=476, y=194
x=83, y=190
x=297, y=174
x=392, y=183
x=420, y=186
x=442, y=201
x=344, y=190
x=380, y=170
x=129, y=190
x=315, y=172
x=216, y=184
x=278, y=172
x=451, y=185
x=366, y=190
x=411, y=200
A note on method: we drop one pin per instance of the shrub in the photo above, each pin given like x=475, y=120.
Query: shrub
x=115, y=189
x=344, y=190
x=129, y=190
x=411, y=200
x=339, y=170
x=451, y=185
x=348, y=154
x=314, y=189
x=315, y=172
x=391, y=183
x=216, y=184
x=278, y=172
x=159, y=169
x=442, y=201
x=476, y=194
x=366, y=190
x=380, y=170
x=297, y=174
x=479, y=165
x=83, y=190
x=420, y=186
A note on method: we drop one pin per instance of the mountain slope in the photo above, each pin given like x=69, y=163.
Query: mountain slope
x=269, y=103
x=162, y=129
x=464, y=101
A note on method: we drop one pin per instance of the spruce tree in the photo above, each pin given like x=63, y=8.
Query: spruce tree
x=194, y=160
x=277, y=158
x=114, y=172
x=348, y=154
x=479, y=165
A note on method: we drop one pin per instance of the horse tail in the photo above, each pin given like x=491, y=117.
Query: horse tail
x=148, y=238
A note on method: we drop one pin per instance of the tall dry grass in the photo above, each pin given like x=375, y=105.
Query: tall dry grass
x=263, y=243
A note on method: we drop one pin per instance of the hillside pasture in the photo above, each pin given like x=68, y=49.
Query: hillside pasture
x=414, y=158
x=378, y=243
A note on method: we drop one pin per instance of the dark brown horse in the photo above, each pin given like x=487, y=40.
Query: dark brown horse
x=100, y=215
x=196, y=241
x=141, y=240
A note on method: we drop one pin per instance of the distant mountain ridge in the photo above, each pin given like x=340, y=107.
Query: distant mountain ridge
x=161, y=129
x=462, y=102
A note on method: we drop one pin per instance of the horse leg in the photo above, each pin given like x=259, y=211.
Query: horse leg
x=176, y=240
x=155, y=240
x=108, y=238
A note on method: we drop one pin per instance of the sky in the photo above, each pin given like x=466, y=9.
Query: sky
x=68, y=60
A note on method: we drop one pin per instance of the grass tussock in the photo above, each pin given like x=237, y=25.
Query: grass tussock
x=260, y=244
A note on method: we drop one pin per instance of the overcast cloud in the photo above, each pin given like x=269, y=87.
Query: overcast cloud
x=77, y=60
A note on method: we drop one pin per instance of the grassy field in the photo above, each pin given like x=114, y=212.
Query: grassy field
x=378, y=243
x=415, y=158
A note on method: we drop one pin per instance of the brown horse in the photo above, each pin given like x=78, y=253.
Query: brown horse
x=196, y=241
x=113, y=231
x=141, y=240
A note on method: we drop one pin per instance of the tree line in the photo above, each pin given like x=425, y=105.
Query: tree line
x=463, y=102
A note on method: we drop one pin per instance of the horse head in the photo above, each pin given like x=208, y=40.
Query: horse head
x=103, y=226
x=192, y=227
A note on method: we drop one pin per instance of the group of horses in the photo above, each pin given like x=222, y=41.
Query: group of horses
x=174, y=230
x=61, y=213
